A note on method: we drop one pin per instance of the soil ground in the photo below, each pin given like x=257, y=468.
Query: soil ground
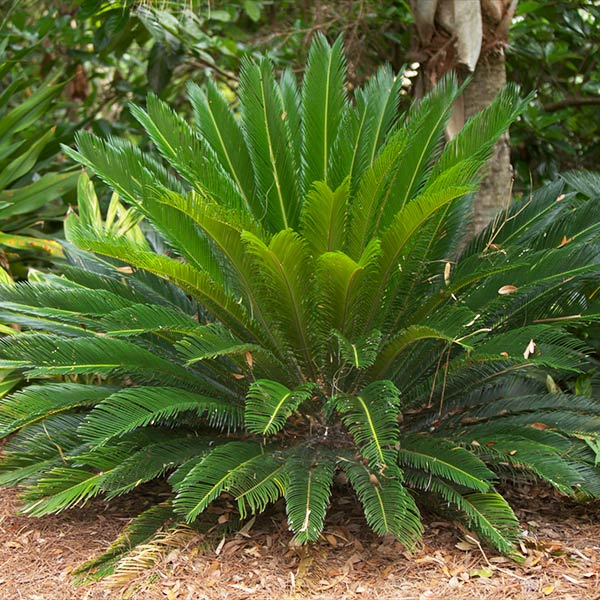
x=562, y=548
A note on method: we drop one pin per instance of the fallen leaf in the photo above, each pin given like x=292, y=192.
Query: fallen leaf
x=484, y=573
x=507, y=289
x=548, y=589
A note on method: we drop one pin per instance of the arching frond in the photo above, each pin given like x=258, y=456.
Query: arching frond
x=214, y=474
x=372, y=418
x=307, y=492
x=269, y=404
x=388, y=506
x=444, y=459
x=141, y=406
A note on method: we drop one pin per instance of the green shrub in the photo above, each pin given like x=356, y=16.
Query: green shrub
x=294, y=304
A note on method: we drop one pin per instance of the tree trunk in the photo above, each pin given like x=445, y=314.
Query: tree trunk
x=495, y=191
x=469, y=37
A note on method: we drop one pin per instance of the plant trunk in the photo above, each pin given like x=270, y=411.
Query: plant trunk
x=496, y=186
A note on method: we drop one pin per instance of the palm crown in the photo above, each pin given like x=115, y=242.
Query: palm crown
x=292, y=303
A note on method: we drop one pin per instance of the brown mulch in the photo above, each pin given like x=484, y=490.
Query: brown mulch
x=562, y=547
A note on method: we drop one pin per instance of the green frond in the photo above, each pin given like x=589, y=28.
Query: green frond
x=541, y=460
x=477, y=137
x=361, y=353
x=152, y=461
x=198, y=284
x=584, y=182
x=343, y=288
x=323, y=100
x=283, y=269
x=41, y=355
x=61, y=488
x=488, y=515
x=137, y=319
x=264, y=484
x=210, y=341
x=269, y=404
x=323, y=220
x=388, y=359
x=388, y=506
x=38, y=402
x=217, y=125
x=424, y=127
x=267, y=139
x=142, y=406
x=214, y=474
x=373, y=185
x=366, y=128
x=307, y=492
x=292, y=105
x=444, y=459
x=372, y=419
x=185, y=151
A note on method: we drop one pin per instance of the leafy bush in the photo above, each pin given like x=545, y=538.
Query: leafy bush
x=294, y=304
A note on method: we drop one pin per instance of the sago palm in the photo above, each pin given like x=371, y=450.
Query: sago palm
x=285, y=303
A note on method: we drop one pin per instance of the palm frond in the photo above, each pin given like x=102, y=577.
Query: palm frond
x=214, y=474
x=217, y=125
x=129, y=409
x=269, y=404
x=444, y=459
x=372, y=418
x=268, y=143
x=307, y=492
x=388, y=506
x=323, y=100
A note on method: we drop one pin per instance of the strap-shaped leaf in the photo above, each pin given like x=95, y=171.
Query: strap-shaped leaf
x=269, y=404
x=131, y=408
x=216, y=472
x=388, y=506
x=372, y=419
x=310, y=476
x=445, y=459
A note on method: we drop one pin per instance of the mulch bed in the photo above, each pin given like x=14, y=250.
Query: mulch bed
x=562, y=548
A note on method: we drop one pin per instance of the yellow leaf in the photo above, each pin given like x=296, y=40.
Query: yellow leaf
x=548, y=589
